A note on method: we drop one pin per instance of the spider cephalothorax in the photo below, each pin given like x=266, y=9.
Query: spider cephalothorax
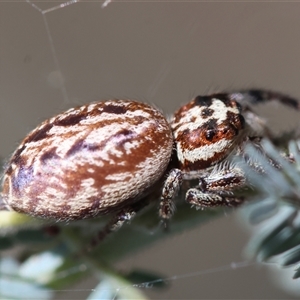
x=207, y=132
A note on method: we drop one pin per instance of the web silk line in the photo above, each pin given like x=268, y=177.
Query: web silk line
x=50, y=39
x=63, y=5
x=150, y=284
x=51, y=9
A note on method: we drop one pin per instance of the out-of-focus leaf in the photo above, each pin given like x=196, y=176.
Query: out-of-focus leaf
x=32, y=236
x=290, y=257
x=256, y=212
x=10, y=219
x=6, y=242
x=297, y=273
x=55, y=269
x=8, y=265
x=41, y=267
x=270, y=230
x=68, y=273
x=286, y=239
x=277, y=233
x=14, y=286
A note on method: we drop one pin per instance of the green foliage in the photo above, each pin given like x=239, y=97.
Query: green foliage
x=275, y=213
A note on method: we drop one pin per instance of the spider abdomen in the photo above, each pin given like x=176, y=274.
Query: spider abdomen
x=88, y=161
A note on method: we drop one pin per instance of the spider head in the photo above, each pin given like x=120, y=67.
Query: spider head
x=206, y=130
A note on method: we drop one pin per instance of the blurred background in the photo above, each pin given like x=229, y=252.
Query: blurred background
x=54, y=56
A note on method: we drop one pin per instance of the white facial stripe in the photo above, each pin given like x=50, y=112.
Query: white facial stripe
x=204, y=152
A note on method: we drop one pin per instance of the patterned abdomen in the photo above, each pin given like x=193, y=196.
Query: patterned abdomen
x=88, y=160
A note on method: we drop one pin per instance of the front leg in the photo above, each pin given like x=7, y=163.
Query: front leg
x=216, y=189
x=170, y=190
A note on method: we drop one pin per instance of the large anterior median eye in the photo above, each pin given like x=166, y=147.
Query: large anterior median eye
x=210, y=133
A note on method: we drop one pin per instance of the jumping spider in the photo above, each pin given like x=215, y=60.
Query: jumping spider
x=115, y=156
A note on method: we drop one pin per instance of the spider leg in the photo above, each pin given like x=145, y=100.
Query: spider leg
x=202, y=200
x=170, y=190
x=216, y=189
x=122, y=217
x=257, y=96
x=257, y=125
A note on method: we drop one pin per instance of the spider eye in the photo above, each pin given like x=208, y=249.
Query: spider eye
x=210, y=133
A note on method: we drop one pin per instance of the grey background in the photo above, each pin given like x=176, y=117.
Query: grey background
x=163, y=53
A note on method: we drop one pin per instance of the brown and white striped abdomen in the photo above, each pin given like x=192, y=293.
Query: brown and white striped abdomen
x=88, y=160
